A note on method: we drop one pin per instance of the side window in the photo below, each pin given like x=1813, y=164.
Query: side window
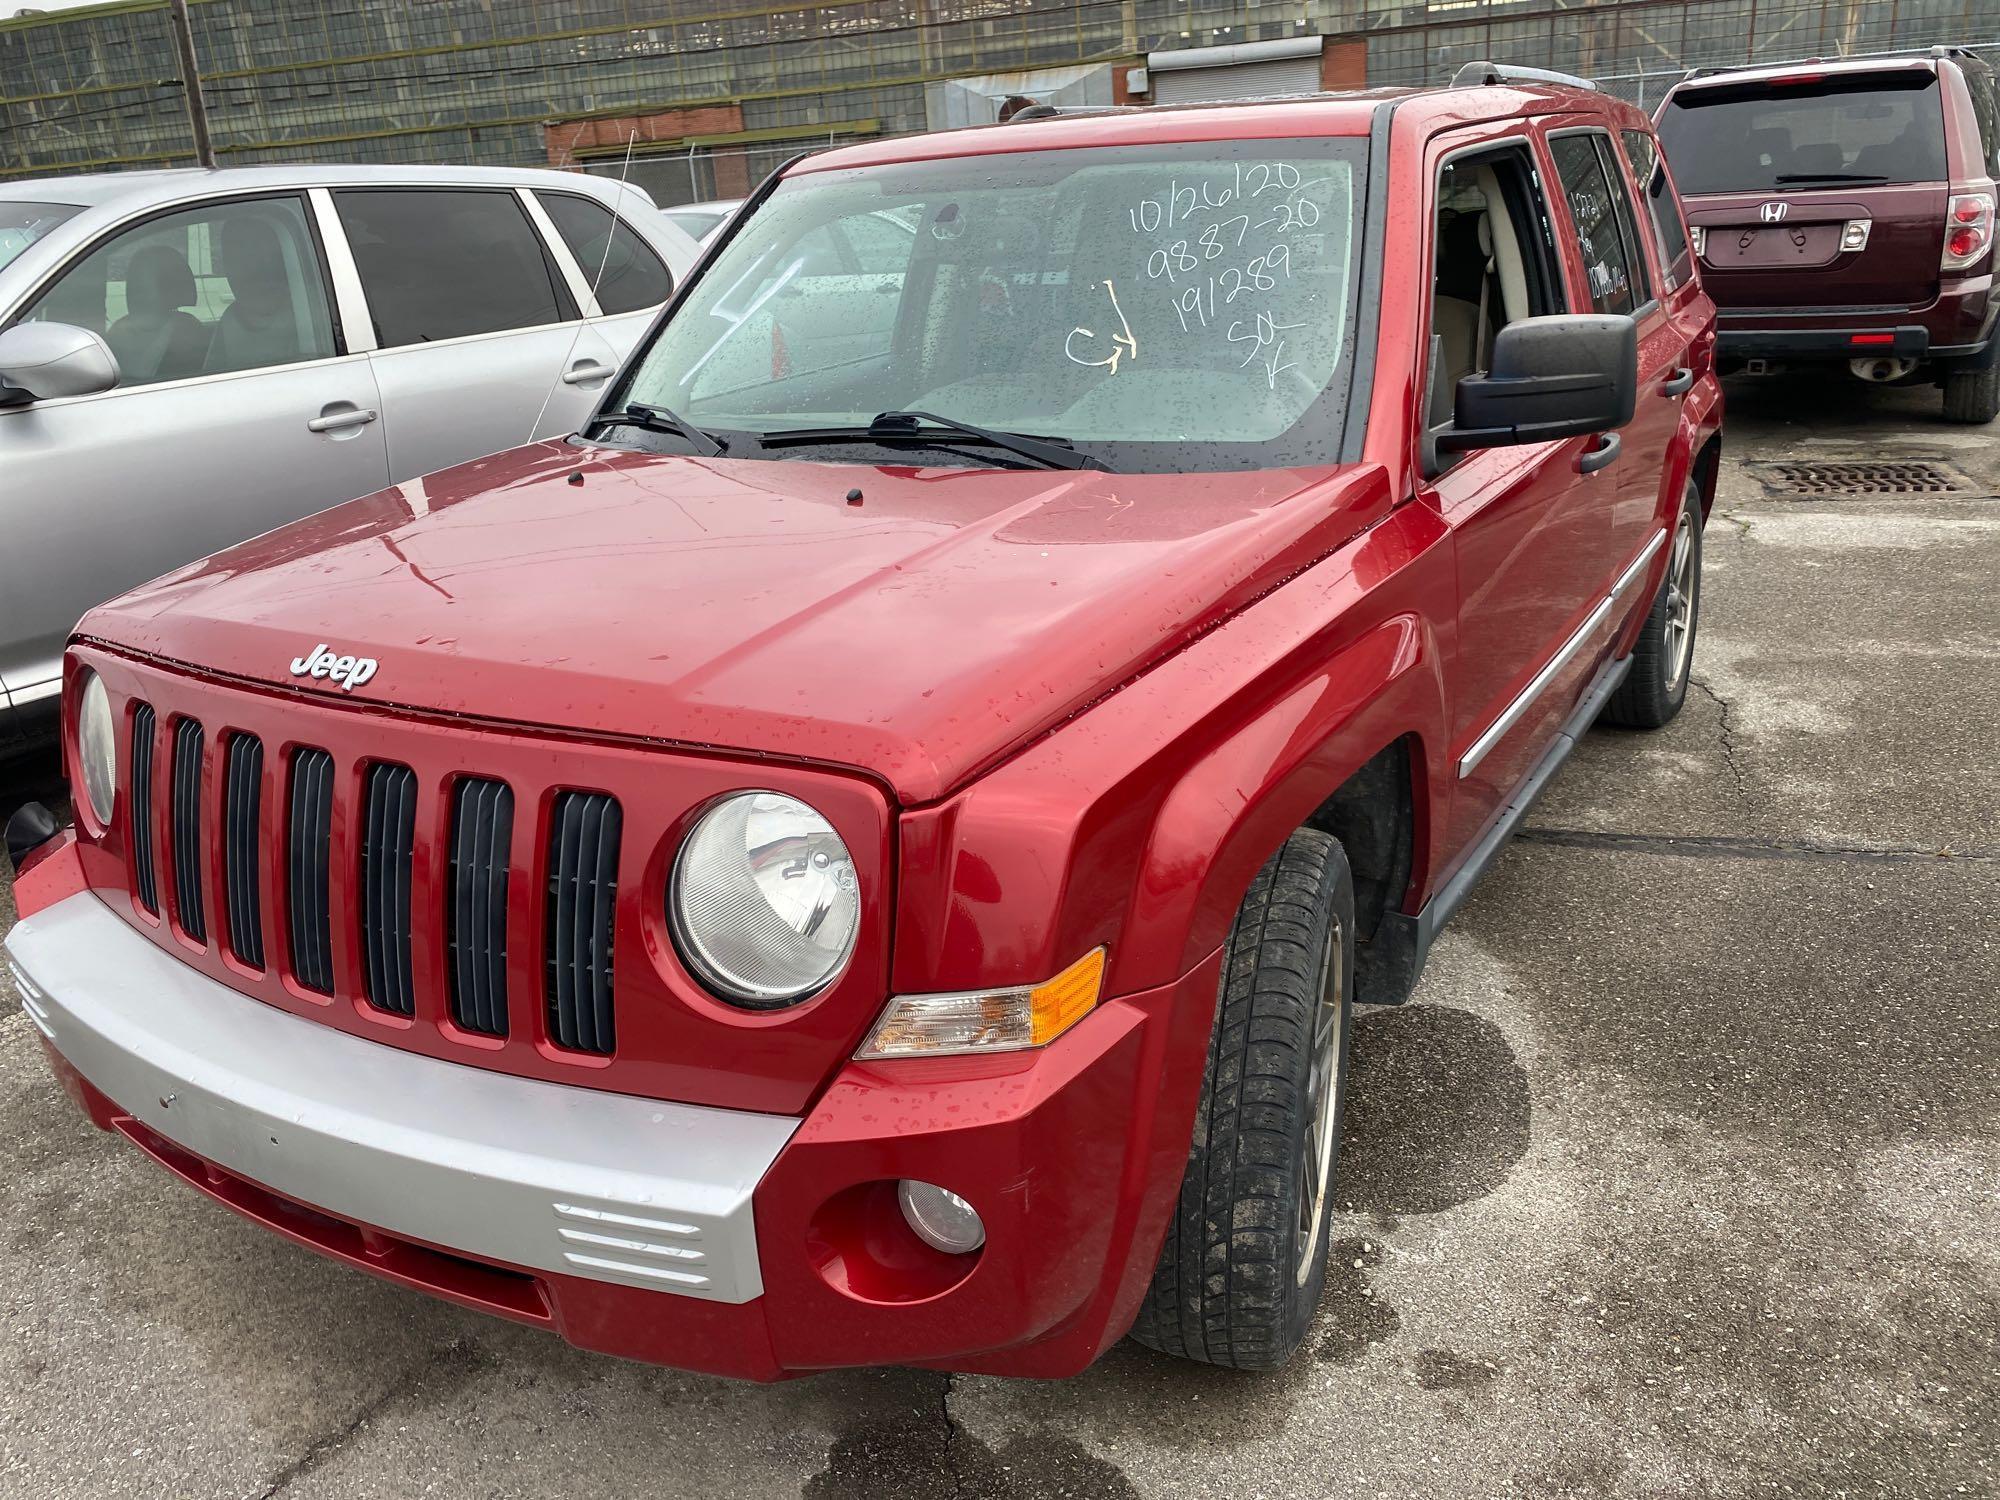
x=621, y=265
x=1985, y=97
x=828, y=299
x=822, y=252
x=1493, y=263
x=446, y=263
x=1602, y=215
x=881, y=242
x=224, y=287
x=1662, y=207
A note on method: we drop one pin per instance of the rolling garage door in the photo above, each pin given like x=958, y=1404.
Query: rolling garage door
x=1249, y=70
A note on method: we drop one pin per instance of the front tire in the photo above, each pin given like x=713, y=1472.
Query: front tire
x=1656, y=685
x=1972, y=396
x=1244, y=1262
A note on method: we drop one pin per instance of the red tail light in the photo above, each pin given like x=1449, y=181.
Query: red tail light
x=1968, y=229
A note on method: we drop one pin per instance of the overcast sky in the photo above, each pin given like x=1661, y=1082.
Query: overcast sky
x=15, y=7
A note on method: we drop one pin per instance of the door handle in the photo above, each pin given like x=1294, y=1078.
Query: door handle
x=339, y=421
x=1679, y=383
x=1603, y=454
x=584, y=372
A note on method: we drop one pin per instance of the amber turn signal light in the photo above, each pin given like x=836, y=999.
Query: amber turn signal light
x=1002, y=1020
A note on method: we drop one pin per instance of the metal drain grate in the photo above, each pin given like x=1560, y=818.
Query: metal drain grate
x=1841, y=480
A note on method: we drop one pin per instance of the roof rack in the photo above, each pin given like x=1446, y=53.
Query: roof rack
x=1892, y=54
x=1067, y=111
x=1474, y=74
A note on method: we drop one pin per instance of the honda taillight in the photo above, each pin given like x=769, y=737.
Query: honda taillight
x=1968, y=229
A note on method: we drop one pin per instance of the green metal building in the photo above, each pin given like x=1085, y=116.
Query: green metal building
x=706, y=95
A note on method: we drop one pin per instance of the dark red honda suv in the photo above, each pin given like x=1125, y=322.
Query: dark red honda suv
x=1843, y=211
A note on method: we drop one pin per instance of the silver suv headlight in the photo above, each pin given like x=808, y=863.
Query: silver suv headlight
x=97, y=746
x=764, y=903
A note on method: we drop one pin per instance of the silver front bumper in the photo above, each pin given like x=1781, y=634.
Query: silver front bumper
x=539, y=1175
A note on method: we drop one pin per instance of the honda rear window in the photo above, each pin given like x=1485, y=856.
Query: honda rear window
x=1820, y=132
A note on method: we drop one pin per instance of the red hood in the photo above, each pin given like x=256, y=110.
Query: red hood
x=921, y=633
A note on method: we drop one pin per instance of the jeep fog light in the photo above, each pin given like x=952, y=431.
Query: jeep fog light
x=765, y=903
x=97, y=746
x=1007, y=1020
x=941, y=1219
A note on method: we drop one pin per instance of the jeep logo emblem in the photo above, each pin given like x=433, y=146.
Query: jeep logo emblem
x=1773, y=211
x=349, y=671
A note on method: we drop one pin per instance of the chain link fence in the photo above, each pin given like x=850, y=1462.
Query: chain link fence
x=717, y=94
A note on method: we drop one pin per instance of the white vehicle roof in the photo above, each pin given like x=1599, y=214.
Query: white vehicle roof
x=146, y=189
x=110, y=198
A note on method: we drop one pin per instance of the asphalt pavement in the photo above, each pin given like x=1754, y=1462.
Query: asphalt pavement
x=1680, y=1176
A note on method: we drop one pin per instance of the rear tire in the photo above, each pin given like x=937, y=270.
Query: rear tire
x=1244, y=1263
x=1972, y=396
x=1656, y=685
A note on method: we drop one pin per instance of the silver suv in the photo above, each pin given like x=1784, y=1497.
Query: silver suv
x=189, y=358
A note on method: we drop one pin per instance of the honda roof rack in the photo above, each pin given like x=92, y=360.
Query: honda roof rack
x=1893, y=54
x=1473, y=74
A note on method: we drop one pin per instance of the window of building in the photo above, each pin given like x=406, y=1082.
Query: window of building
x=615, y=260
x=1601, y=212
x=224, y=287
x=448, y=263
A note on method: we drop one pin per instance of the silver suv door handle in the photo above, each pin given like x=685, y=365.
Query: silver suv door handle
x=1679, y=383
x=341, y=420
x=585, y=371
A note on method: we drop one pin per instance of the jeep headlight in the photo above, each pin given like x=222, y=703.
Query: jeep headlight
x=97, y=746
x=764, y=903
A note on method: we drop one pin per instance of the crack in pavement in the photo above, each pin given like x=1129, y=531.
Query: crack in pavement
x=1711, y=846
x=1744, y=526
x=1726, y=728
x=951, y=1434
x=458, y=1358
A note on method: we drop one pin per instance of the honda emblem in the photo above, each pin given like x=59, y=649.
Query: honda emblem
x=1773, y=211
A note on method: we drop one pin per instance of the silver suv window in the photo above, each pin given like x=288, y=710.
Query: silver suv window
x=228, y=286
x=448, y=263
x=619, y=265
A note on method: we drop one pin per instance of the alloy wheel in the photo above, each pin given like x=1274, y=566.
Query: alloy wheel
x=1323, y=1124
x=1681, y=586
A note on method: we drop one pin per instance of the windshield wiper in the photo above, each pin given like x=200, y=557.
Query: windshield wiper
x=1828, y=177
x=659, y=419
x=904, y=427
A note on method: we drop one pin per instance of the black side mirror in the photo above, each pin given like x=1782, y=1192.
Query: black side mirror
x=1555, y=377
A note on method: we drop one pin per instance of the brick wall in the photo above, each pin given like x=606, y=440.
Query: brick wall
x=1343, y=63
x=567, y=139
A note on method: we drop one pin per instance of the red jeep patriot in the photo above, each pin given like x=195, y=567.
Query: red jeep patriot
x=865, y=855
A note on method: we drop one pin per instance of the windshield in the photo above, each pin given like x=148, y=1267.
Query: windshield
x=1169, y=308
x=21, y=224
x=1767, y=137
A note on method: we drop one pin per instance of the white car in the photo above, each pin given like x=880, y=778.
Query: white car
x=189, y=358
x=700, y=220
